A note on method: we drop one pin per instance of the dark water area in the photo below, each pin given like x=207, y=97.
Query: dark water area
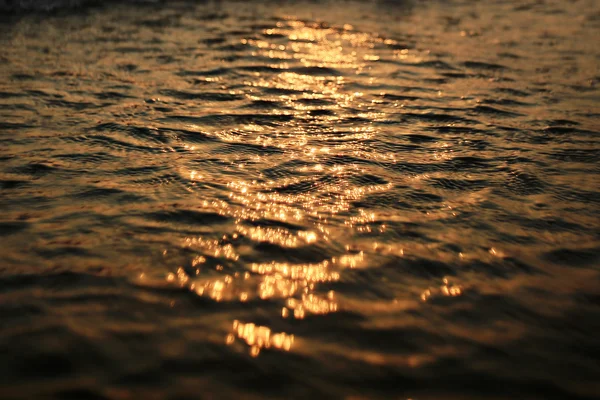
x=339, y=199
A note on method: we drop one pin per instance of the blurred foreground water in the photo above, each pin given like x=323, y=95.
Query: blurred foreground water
x=387, y=199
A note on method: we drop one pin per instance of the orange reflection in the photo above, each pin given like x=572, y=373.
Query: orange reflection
x=213, y=247
x=278, y=236
x=259, y=337
x=308, y=75
x=446, y=289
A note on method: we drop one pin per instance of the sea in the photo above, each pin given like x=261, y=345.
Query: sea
x=337, y=199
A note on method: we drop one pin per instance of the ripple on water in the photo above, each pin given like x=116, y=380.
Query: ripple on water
x=291, y=200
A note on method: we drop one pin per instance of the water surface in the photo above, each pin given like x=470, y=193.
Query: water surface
x=387, y=199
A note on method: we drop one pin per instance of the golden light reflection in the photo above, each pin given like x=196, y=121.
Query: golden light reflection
x=280, y=236
x=296, y=283
x=259, y=337
x=260, y=200
x=308, y=75
x=318, y=272
x=351, y=260
x=213, y=247
x=281, y=280
x=311, y=303
x=447, y=289
x=326, y=56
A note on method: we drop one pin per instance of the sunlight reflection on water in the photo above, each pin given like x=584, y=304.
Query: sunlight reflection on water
x=301, y=199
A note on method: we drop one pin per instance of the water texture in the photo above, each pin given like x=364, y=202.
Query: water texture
x=387, y=199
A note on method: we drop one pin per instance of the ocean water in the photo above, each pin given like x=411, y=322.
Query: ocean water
x=294, y=199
